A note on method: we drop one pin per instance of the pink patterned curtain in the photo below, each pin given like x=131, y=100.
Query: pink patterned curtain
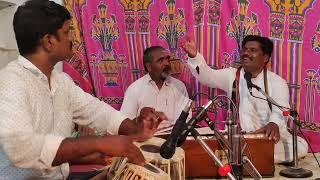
x=110, y=36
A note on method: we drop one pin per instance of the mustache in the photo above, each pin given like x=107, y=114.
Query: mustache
x=166, y=72
x=167, y=69
x=245, y=56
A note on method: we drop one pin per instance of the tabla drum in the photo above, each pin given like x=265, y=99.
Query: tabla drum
x=175, y=166
x=129, y=171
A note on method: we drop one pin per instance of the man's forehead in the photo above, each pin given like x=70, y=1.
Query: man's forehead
x=161, y=52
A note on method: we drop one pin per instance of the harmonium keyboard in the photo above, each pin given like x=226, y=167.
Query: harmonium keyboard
x=259, y=149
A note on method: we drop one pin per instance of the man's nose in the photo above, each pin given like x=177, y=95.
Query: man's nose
x=70, y=37
x=244, y=52
x=166, y=61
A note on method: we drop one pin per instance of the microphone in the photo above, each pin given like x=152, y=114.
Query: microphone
x=192, y=122
x=198, y=70
x=250, y=85
x=168, y=148
x=248, y=77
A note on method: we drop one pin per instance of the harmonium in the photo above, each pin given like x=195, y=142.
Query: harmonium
x=259, y=149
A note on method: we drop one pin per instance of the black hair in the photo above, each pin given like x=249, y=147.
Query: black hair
x=147, y=55
x=265, y=43
x=34, y=19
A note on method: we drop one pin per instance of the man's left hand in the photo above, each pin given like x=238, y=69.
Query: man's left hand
x=148, y=122
x=271, y=130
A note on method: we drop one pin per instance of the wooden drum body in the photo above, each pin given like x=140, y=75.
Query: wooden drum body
x=136, y=172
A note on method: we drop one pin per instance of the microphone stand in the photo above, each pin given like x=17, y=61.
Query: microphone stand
x=295, y=171
x=233, y=145
x=236, y=161
x=234, y=149
x=235, y=155
x=204, y=145
x=291, y=172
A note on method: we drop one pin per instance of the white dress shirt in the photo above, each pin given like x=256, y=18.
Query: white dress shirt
x=36, y=118
x=170, y=99
x=254, y=113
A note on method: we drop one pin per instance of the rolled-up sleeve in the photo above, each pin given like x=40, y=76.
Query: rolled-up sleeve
x=49, y=149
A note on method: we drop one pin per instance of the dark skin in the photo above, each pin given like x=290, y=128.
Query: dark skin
x=55, y=48
x=253, y=60
x=159, y=68
x=113, y=145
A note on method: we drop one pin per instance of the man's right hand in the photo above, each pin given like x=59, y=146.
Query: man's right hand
x=121, y=146
x=189, y=46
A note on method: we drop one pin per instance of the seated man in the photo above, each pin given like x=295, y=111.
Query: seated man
x=39, y=105
x=156, y=89
x=256, y=115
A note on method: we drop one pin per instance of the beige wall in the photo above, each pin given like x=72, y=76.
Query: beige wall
x=8, y=46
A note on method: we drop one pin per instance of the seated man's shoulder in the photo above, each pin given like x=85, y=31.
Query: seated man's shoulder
x=12, y=73
x=139, y=82
x=177, y=83
x=275, y=78
x=63, y=76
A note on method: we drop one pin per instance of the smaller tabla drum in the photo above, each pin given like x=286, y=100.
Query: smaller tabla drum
x=136, y=172
x=175, y=166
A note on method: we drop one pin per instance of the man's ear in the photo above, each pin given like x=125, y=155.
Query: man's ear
x=46, y=42
x=266, y=58
x=148, y=66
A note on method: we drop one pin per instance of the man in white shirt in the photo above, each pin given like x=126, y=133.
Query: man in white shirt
x=156, y=89
x=39, y=106
x=255, y=114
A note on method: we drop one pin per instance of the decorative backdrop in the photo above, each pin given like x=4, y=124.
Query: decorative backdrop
x=110, y=36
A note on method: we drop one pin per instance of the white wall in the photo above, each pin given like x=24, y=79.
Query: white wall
x=8, y=45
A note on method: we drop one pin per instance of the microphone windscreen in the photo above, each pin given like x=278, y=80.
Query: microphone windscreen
x=248, y=76
x=167, y=151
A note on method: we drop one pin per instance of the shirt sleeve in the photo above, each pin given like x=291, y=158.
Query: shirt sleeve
x=129, y=105
x=208, y=76
x=88, y=110
x=24, y=147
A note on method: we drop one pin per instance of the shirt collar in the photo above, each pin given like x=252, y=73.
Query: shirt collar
x=166, y=82
x=36, y=71
x=31, y=67
x=259, y=76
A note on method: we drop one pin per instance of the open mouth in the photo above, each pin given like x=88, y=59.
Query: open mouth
x=166, y=70
x=245, y=60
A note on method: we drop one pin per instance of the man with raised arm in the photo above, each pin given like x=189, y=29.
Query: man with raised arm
x=255, y=114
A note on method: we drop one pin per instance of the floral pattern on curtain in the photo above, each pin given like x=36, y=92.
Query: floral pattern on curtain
x=110, y=36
